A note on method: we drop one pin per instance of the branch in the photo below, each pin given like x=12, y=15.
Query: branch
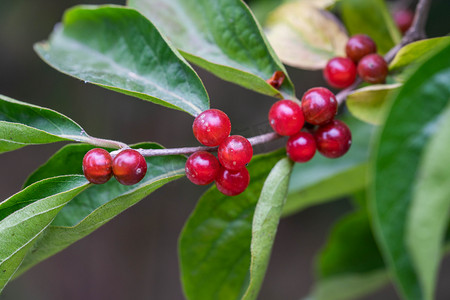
x=415, y=33
x=256, y=140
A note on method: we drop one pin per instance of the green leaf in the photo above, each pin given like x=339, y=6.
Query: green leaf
x=68, y=160
x=265, y=222
x=305, y=36
x=415, y=52
x=323, y=179
x=24, y=216
x=119, y=49
x=371, y=17
x=350, y=264
x=23, y=124
x=351, y=248
x=98, y=204
x=430, y=206
x=262, y=8
x=222, y=37
x=349, y=286
x=214, y=245
x=395, y=164
x=369, y=104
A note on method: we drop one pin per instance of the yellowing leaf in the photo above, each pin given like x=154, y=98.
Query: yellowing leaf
x=305, y=36
x=369, y=103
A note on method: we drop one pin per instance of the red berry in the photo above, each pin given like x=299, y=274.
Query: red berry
x=202, y=168
x=97, y=166
x=404, y=19
x=277, y=79
x=301, y=147
x=286, y=117
x=211, y=127
x=373, y=68
x=235, y=152
x=340, y=72
x=232, y=183
x=333, y=139
x=359, y=46
x=129, y=167
x=319, y=106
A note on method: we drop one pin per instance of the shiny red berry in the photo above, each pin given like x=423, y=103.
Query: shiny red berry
x=373, y=68
x=359, y=46
x=202, y=168
x=340, y=72
x=404, y=19
x=232, y=183
x=211, y=127
x=286, y=117
x=333, y=139
x=319, y=106
x=235, y=152
x=97, y=166
x=301, y=147
x=129, y=167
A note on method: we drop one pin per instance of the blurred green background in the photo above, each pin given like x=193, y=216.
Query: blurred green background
x=135, y=255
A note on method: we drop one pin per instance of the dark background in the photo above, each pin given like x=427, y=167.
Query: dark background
x=134, y=256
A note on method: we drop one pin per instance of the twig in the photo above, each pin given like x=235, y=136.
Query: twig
x=256, y=140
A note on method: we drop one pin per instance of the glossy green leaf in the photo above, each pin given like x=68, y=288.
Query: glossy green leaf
x=395, y=164
x=265, y=223
x=415, y=52
x=305, y=36
x=23, y=124
x=98, y=204
x=430, y=207
x=371, y=17
x=119, y=49
x=64, y=162
x=25, y=216
x=323, y=179
x=214, y=246
x=222, y=37
x=370, y=103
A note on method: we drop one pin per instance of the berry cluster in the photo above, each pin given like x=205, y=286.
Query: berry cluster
x=332, y=138
x=128, y=167
x=212, y=128
x=362, y=59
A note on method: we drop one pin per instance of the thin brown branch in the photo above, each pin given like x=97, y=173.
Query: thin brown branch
x=256, y=140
